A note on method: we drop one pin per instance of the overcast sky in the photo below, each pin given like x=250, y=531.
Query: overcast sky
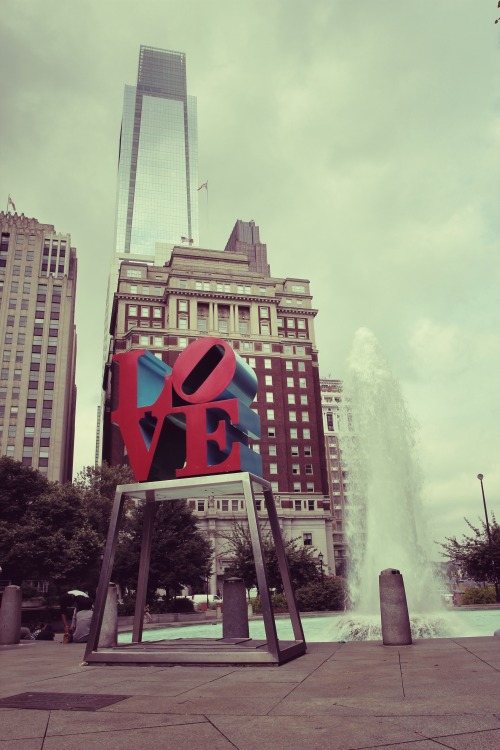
x=361, y=136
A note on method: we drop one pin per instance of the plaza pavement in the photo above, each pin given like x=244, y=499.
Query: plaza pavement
x=434, y=694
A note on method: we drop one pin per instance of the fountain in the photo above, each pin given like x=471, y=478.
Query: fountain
x=384, y=518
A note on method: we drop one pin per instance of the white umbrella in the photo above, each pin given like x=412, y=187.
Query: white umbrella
x=75, y=592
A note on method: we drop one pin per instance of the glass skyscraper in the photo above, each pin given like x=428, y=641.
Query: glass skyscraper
x=158, y=163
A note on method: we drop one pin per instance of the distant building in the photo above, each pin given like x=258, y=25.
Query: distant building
x=337, y=429
x=158, y=162
x=38, y=270
x=157, y=183
x=270, y=322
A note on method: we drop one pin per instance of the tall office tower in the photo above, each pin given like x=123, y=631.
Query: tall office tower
x=38, y=269
x=337, y=429
x=157, y=198
x=270, y=322
x=158, y=162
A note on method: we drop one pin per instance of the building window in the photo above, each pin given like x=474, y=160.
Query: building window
x=306, y=434
x=301, y=323
x=267, y=364
x=305, y=416
x=292, y=416
x=289, y=383
x=268, y=379
x=301, y=366
x=302, y=383
x=274, y=486
x=182, y=342
x=298, y=503
x=269, y=397
x=270, y=414
x=271, y=432
x=293, y=433
x=307, y=538
x=144, y=340
x=183, y=305
x=310, y=487
x=235, y=505
x=132, y=311
x=288, y=364
x=156, y=312
x=307, y=450
x=329, y=421
x=273, y=468
x=295, y=450
x=133, y=273
x=295, y=468
x=272, y=450
x=311, y=504
x=183, y=323
x=200, y=505
x=309, y=469
x=303, y=399
x=158, y=340
x=291, y=398
x=264, y=312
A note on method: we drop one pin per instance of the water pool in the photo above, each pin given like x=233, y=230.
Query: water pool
x=343, y=627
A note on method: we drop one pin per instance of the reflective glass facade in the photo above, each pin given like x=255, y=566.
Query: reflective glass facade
x=158, y=166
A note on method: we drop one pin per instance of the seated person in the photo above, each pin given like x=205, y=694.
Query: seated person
x=44, y=632
x=67, y=609
x=80, y=626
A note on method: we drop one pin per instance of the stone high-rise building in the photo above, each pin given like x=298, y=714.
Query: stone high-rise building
x=269, y=321
x=38, y=269
x=337, y=429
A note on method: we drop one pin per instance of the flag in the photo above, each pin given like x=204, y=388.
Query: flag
x=10, y=202
x=205, y=185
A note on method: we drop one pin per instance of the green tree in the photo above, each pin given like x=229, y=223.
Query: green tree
x=180, y=554
x=51, y=538
x=97, y=485
x=51, y=531
x=473, y=555
x=303, y=566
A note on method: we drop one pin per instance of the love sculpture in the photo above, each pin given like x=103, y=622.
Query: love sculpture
x=190, y=420
x=186, y=430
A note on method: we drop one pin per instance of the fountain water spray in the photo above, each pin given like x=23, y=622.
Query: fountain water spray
x=384, y=519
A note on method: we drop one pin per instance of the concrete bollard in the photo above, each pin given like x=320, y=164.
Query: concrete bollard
x=235, y=620
x=109, y=629
x=10, y=616
x=396, y=629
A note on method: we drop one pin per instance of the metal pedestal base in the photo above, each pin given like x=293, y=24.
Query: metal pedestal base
x=211, y=651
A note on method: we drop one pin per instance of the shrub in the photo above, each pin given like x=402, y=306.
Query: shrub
x=479, y=595
x=317, y=597
x=278, y=601
x=180, y=605
x=29, y=592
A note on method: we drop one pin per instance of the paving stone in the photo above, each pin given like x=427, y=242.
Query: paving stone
x=76, y=722
x=489, y=740
x=297, y=733
x=180, y=737
x=239, y=704
x=22, y=724
x=440, y=726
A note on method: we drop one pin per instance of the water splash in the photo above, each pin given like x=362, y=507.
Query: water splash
x=385, y=525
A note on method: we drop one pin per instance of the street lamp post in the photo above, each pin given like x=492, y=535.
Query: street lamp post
x=490, y=543
x=320, y=558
